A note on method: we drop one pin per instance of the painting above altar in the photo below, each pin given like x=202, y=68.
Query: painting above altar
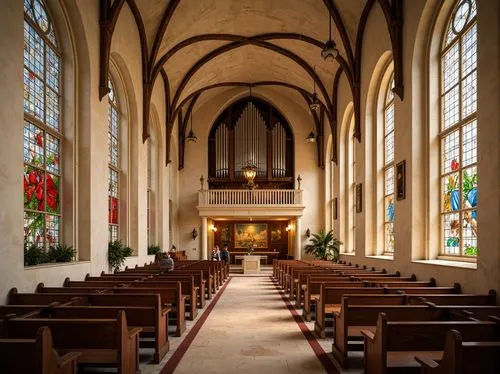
x=250, y=234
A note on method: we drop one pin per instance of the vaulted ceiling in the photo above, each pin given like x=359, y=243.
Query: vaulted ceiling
x=199, y=46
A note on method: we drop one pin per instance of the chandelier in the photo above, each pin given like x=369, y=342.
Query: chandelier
x=250, y=172
x=191, y=137
x=330, y=51
x=314, y=104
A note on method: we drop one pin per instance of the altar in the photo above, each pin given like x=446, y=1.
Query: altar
x=251, y=264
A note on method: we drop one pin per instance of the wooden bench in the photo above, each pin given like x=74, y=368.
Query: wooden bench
x=330, y=301
x=312, y=293
x=351, y=319
x=35, y=356
x=102, y=342
x=394, y=345
x=455, y=299
x=153, y=320
x=170, y=296
x=461, y=357
x=188, y=287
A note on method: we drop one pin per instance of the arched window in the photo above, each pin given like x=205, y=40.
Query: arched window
x=151, y=191
x=114, y=163
x=389, y=168
x=43, y=132
x=351, y=188
x=458, y=132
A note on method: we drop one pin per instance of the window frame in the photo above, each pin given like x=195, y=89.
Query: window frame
x=43, y=126
x=461, y=123
x=391, y=165
x=114, y=105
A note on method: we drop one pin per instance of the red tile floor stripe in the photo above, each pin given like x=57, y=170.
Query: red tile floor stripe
x=308, y=334
x=173, y=361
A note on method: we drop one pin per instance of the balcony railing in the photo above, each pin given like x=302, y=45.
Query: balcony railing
x=249, y=197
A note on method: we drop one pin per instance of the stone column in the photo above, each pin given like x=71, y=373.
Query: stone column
x=204, y=238
x=298, y=245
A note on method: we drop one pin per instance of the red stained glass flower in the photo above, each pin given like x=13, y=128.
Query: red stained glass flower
x=39, y=139
x=454, y=165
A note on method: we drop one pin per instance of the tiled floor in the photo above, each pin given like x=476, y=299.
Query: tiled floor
x=249, y=330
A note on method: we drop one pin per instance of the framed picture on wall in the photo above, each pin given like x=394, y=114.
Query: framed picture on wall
x=334, y=208
x=250, y=234
x=225, y=234
x=359, y=198
x=276, y=233
x=401, y=180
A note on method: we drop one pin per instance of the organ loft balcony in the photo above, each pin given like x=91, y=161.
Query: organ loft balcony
x=250, y=202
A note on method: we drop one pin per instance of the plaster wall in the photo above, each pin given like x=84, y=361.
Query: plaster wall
x=196, y=161
x=414, y=252
x=78, y=27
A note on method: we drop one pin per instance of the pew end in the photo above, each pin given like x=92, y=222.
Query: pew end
x=66, y=282
x=13, y=291
x=39, y=287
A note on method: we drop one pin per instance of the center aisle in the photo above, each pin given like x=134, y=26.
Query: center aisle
x=250, y=330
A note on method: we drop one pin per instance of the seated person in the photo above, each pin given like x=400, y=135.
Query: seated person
x=224, y=255
x=167, y=262
x=216, y=254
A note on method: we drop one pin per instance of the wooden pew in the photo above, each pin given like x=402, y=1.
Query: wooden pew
x=394, y=344
x=35, y=356
x=16, y=298
x=171, y=296
x=102, y=342
x=188, y=287
x=461, y=357
x=455, y=299
x=313, y=290
x=353, y=318
x=424, y=290
x=331, y=299
x=152, y=320
x=199, y=282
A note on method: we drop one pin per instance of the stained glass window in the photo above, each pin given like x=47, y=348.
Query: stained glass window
x=350, y=166
x=42, y=128
x=389, y=169
x=114, y=164
x=458, y=132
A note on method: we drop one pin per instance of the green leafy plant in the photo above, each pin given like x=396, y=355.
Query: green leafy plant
x=471, y=251
x=324, y=246
x=153, y=249
x=34, y=255
x=61, y=253
x=117, y=252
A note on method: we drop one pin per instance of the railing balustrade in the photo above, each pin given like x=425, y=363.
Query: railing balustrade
x=249, y=197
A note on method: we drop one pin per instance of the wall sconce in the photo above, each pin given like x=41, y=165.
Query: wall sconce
x=213, y=228
x=194, y=233
x=288, y=228
x=308, y=233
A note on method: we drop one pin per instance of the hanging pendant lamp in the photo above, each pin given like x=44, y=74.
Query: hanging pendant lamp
x=191, y=137
x=314, y=104
x=330, y=51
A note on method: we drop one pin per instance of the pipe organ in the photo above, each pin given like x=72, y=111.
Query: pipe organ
x=279, y=151
x=251, y=131
x=222, y=151
x=250, y=138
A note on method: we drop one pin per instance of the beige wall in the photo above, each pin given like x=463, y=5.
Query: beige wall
x=413, y=227
x=86, y=116
x=86, y=121
x=205, y=113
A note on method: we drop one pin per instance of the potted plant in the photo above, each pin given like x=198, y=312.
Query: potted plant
x=117, y=252
x=153, y=249
x=61, y=253
x=324, y=246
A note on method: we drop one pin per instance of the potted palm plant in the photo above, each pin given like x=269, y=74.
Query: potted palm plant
x=324, y=246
